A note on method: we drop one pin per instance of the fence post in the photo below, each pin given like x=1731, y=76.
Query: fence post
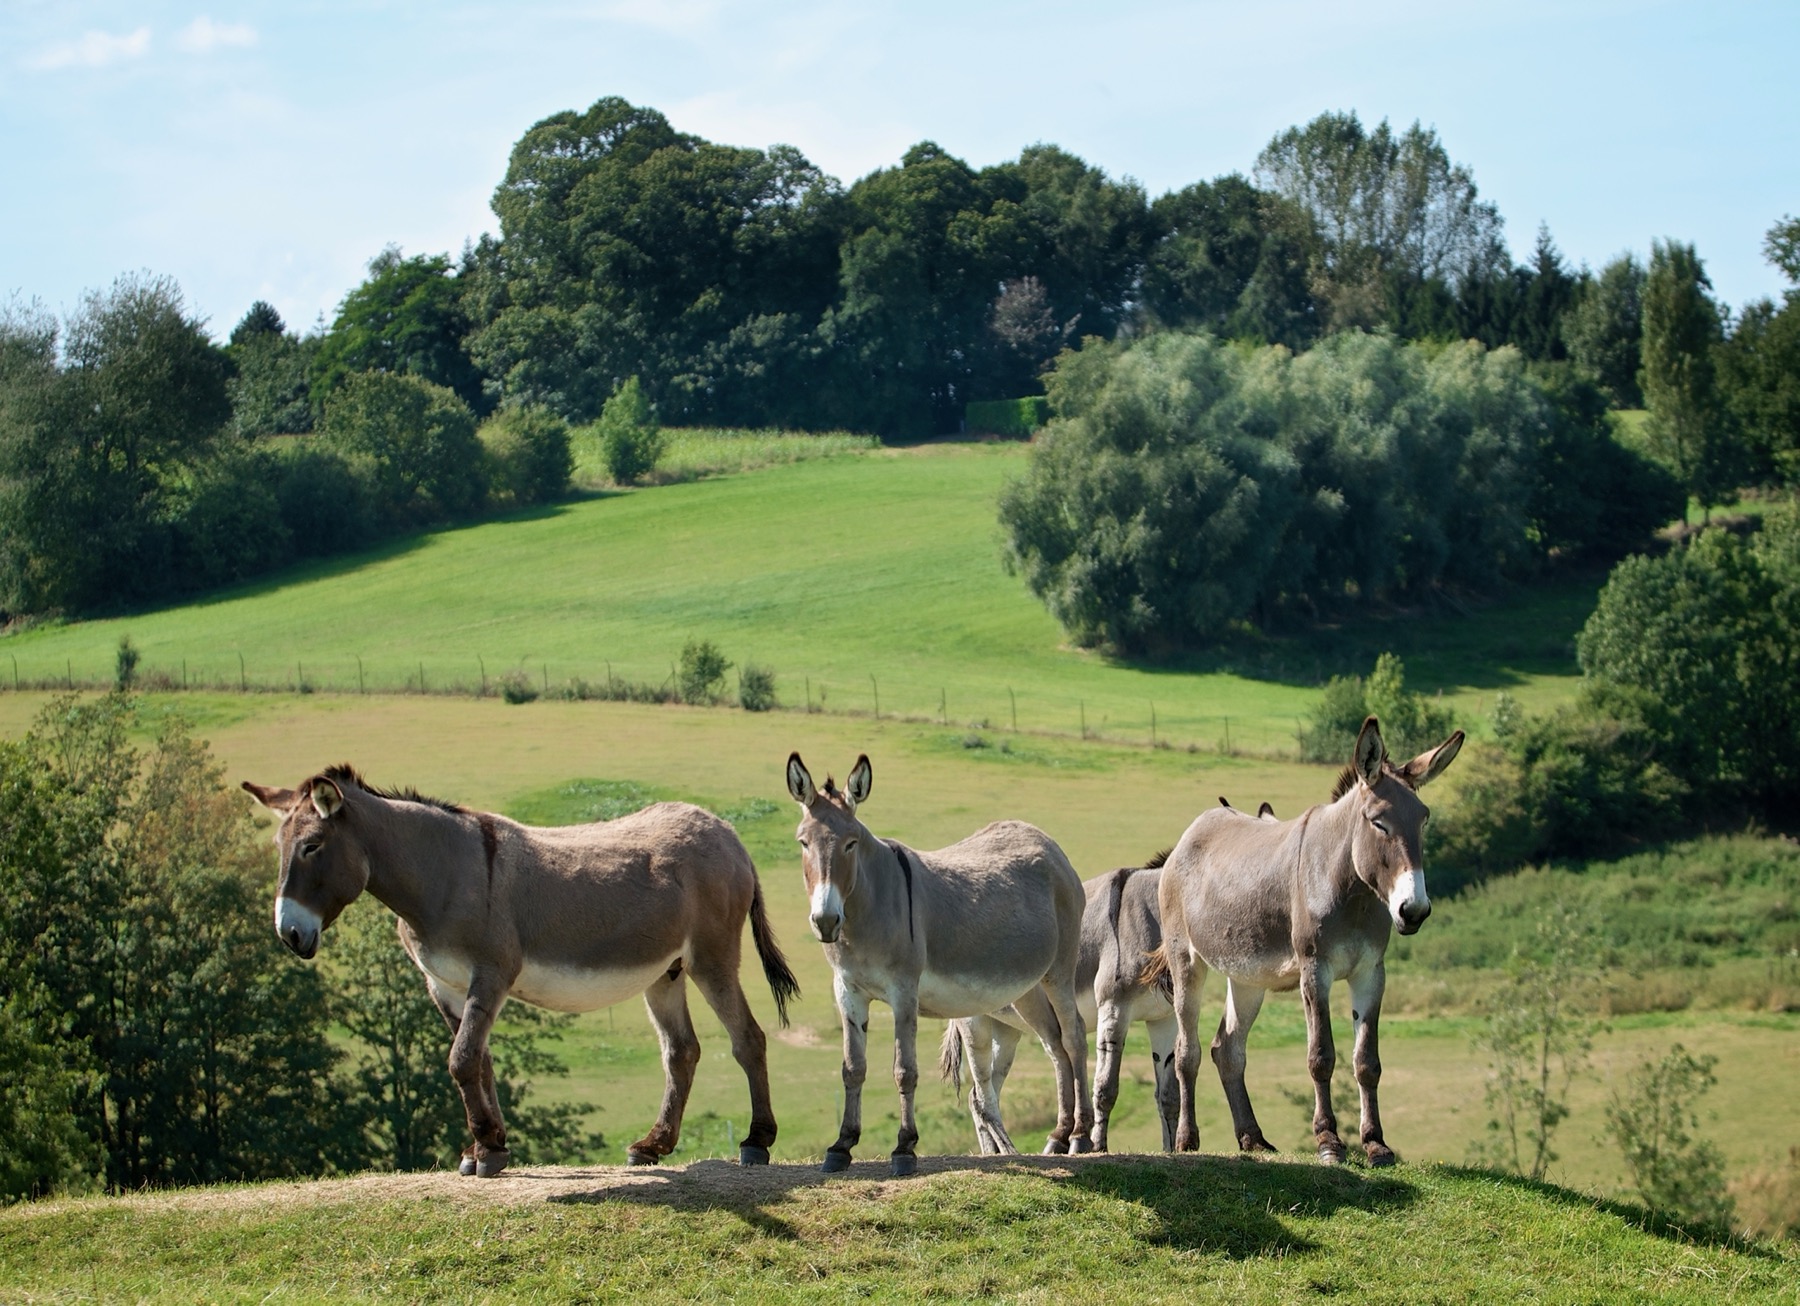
x=483, y=662
x=1083, y=703
x=243, y=680
x=1153, y=725
x=360, y=688
x=421, y=676
x=943, y=712
x=1015, y=708
x=877, y=689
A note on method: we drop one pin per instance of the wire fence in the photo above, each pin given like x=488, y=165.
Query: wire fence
x=1187, y=721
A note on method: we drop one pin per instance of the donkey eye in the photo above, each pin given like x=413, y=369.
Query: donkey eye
x=1379, y=825
x=849, y=845
x=310, y=848
x=801, y=840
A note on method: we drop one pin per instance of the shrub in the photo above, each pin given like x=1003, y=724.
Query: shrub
x=1017, y=417
x=517, y=687
x=756, y=688
x=1410, y=723
x=1676, y=1175
x=325, y=506
x=529, y=455
x=125, y=664
x=630, y=441
x=701, y=675
x=415, y=440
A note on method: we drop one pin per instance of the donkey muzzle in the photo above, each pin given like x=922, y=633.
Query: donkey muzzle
x=1408, y=902
x=827, y=913
x=298, y=927
x=1412, y=916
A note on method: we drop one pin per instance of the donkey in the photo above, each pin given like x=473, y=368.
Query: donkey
x=572, y=918
x=993, y=919
x=1286, y=904
x=1119, y=926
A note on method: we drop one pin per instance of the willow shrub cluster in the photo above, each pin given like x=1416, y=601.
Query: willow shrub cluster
x=1189, y=485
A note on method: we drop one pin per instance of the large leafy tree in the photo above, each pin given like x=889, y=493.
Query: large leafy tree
x=1385, y=210
x=1760, y=366
x=414, y=443
x=270, y=384
x=407, y=317
x=89, y=440
x=1605, y=330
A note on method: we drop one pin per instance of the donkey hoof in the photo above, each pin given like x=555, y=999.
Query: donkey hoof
x=1381, y=1155
x=1255, y=1143
x=903, y=1164
x=635, y=1157
x=749, y=1154
x=1056, y=1147
x=836, y=1162
x=466, y=1166
x=1080, y=1144
x=1331, y=1155
x=486, y=1167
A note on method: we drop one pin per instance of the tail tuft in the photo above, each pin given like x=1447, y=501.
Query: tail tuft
x=1156, y=971
x=781, y=979
x=950, y=1055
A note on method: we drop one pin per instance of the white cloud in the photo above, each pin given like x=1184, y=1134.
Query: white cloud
x=203, y=36
x=94, y=50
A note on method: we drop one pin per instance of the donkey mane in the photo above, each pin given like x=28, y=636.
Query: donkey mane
x=1345, y=779
x=344, y=773
x=1158, y=860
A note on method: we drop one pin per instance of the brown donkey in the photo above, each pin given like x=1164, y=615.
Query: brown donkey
x=572, y=918
x=1286, y=904
x=991, y=920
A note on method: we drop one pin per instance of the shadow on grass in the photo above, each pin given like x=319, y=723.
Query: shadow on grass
x=1495, y=644
x=1238, y=1207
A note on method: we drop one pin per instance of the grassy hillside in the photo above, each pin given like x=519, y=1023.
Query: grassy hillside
x=855, y=577
x=1026, y=1229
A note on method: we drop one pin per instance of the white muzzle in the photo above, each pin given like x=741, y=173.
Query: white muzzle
x=1408, y=903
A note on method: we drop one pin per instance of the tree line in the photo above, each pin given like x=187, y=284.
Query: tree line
x=152, y=1033
x=746, y=287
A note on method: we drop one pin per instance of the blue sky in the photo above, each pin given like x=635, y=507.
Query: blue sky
x=268, y=151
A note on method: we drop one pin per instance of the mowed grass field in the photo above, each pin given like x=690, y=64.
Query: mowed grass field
x=1108, y=804
x=868, y=579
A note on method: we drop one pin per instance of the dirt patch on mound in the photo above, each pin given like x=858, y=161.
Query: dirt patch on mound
x=696, y=1185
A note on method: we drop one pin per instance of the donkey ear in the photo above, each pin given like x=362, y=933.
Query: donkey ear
x=327, y=798
x=1428, y=766
x=860, y=780
x=800, y=781
x=1266, y=812
x=279, y=800
x=1369, y=752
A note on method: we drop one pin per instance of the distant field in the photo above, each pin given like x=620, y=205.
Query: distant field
x=857, y=578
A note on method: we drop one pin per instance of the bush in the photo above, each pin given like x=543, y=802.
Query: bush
x=701, y=675
x=756, y=688
x=224, y=521
x=1410, y=723
x=416, y=442
x=325, y=506
x=125, y=664
x=1016, y=417
x=517, y=687
x=529, y=455
x=1677, y=1176
x=630, y=441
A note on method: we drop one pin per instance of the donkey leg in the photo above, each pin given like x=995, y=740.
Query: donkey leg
x=1036, y=1011
x=1242, y=1002
x=1366, y=988
x=853, y=1010
x=452, y=1014
x=471, y=1068
x=666, y=1001
x=904, y=1159
x=1168, y=1089
x=979, y=1038
x=1186, y=975
x=1074, y=1049
x=1111, y=1021
x=1321, y=1058
x=1003, y=1047
x=725, y=995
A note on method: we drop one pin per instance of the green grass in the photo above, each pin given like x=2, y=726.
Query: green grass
x=690, y=453
x=1023, y=1230
x=857, y=578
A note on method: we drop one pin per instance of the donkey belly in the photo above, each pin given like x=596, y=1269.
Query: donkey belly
x=579, y=988
x=950, y=996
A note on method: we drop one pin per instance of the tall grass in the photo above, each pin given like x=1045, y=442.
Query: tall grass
x=694, y=453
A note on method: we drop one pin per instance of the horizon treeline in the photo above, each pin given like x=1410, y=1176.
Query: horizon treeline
x=746, y=288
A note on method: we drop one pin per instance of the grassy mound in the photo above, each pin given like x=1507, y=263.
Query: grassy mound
x=1033, y=1228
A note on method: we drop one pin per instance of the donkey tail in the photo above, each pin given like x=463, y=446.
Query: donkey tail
x=1156, y=970
x=781, y=980
x=950, y=1055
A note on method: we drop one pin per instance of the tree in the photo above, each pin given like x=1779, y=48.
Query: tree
x=88, y=442
x=406, y=318
x=1759, y=368
x=1383, y=208
x=1682, y=333
x=415, y=440
x=1605, y=330
x=529, y=449
x=630, y=440
x=270, y=388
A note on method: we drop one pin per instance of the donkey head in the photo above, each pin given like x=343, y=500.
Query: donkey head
x=830, y=839
x=323, y=865
x=1385, y=846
